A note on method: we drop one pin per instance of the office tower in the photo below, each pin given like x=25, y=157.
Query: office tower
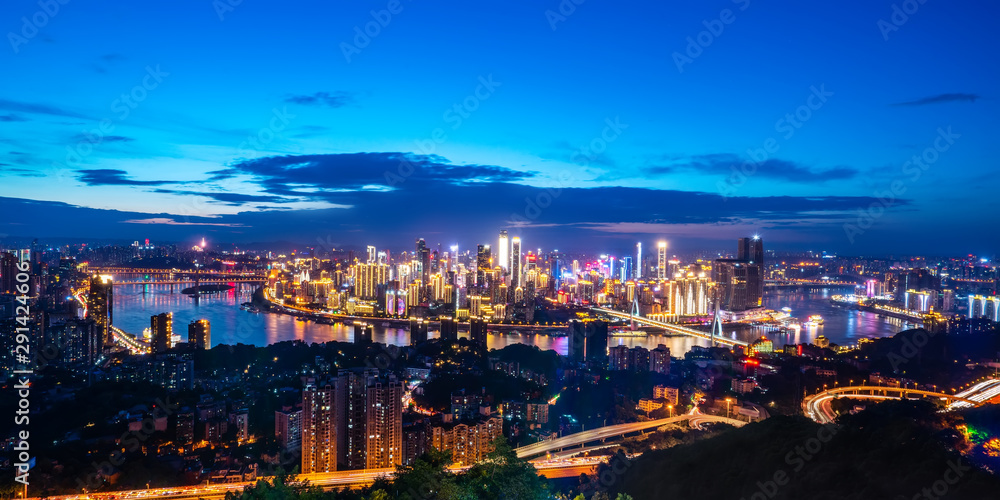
x=418, y=331
x=162, y=327
x=372, y=255
x=687, y=295
x=484, y=263
x=661, y=260
x=363, y=333
x=597, y=342
x=477, y=331
x=740, y=281
x=200, y=334
x=319, y=427
x=384, y=423
x=503, y=253
x=100, y=307
x=638, y=260
x=288, y=428
x=588, y=341
x=515, y=262
x=449, y=329
x=626, y=269
x=423, y=255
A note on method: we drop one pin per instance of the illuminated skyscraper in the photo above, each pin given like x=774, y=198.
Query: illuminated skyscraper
x=661, y=260
x=100, y=307
x=200, y=334
x=503, y=254
x=741, y=280
x=515, y=262
x=424, y=260
x=319, y=426
x=638, y=260
x=483, y=263
x=372, y=255
x=368, y=277
x=162, y=326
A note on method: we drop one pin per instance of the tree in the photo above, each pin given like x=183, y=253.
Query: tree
x=503, y=475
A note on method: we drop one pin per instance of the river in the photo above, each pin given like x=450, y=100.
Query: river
x=134, y=304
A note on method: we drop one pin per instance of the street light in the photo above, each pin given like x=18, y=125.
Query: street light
x=728, y=403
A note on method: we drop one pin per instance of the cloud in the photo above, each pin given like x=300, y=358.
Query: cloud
x=332, y=177
x=114, y=177
x=725, y=163
x=940, y=98
x=107, y=138
x=19, y=172
x=337, y=99
x=12, y=118
x=39, y=109
x=167, y=221
x=232, y=199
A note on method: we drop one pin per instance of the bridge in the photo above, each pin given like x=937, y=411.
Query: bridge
x=790, y=283
x=205, y=281
x=134, y=344
x=671, y=327
x=602, y=433
x=818, y=406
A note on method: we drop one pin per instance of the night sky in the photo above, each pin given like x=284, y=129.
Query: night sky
x=586, y=127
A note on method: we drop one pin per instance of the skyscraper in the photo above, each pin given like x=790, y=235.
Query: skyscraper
x=638, y=260
x=162, y=327
x=503, y=253
x=740, y=281
x=319, y=426
x=100, y=306
x=384, y=423
x=8, y=272
x=477, y=331
x=424, y=260
x=483, y=264
x=372, y=255
x=515, y=262
x=200, y=334
x=363, y=333
x=661, y=260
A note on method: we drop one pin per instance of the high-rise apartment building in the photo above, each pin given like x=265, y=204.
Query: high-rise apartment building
x=319, y=426
x=200, y=334
x=100, y=306
x=162, y=328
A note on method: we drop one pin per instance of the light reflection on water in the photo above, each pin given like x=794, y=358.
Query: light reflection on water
x=134, y=304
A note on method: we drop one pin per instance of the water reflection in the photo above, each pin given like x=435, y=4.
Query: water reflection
x=134, y=304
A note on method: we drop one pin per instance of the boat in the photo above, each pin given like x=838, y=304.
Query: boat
x=786, y=309
x=814, y=320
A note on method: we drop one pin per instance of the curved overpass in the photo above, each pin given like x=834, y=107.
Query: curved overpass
x=818, y=408
x=670, y=327
x=600, y=433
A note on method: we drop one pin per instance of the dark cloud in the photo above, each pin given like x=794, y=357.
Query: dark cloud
x=232, y=199
x=6, y=169
x=333, y=175
x=724, y=164
x=98, y=140
x=330, y=99
x=940, y=98
x=12, y=118
x=113, y=177
x=38, y=109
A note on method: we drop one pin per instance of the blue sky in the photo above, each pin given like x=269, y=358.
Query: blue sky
x=573, y=126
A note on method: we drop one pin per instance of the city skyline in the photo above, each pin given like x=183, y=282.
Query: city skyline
x=311, y=135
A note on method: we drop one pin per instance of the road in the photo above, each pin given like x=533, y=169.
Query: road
x=580, y=438
x=819, y=406
x=550, y=468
